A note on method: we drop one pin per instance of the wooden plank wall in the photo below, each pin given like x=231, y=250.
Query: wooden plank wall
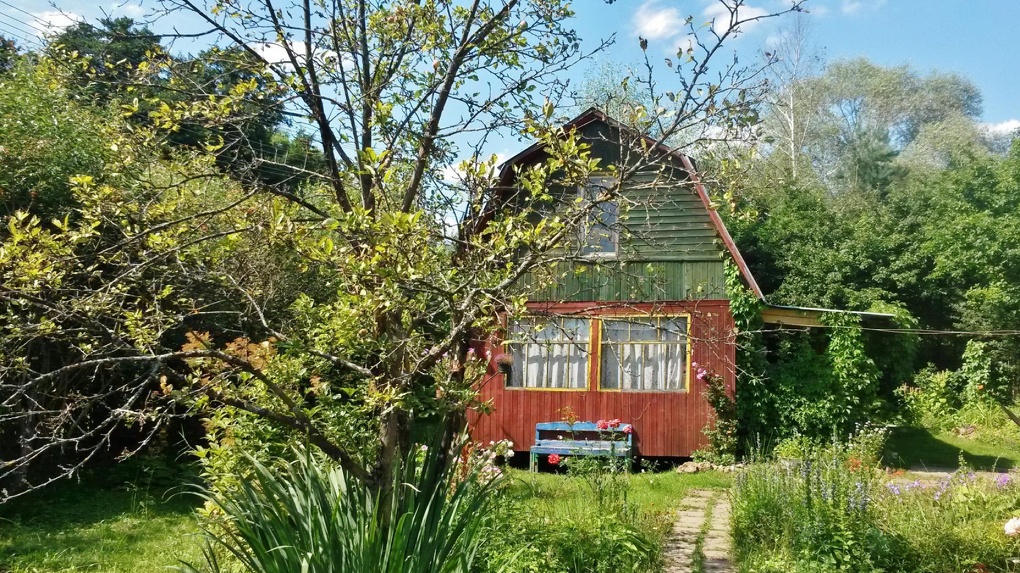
x=665, y=423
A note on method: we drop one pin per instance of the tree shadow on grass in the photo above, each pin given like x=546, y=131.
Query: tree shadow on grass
x=67, y=503
x=920, y=448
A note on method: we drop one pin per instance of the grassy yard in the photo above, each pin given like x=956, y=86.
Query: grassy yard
x=922, y=448
x=562, y=524
x=132, y=524
x=98, y=527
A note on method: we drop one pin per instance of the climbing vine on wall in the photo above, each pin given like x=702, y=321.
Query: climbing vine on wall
x=814, y=383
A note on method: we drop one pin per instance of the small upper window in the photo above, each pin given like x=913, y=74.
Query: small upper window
x=599, y=236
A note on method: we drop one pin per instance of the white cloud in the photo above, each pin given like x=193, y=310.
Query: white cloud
x=130, y=10
x=719, y=15
x=274, y=53
x=53, y=22
x=655, y=23
x=454, y=173
x=1003, y=127
x=850, y=7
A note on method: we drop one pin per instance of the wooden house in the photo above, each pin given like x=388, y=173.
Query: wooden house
x=618, y=333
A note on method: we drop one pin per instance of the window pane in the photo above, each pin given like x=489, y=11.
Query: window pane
x=615, y=330
x=674, y=329
x=643, y=354
x=549, y=352
x=609, y=369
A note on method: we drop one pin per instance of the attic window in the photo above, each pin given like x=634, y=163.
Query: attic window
x=599, y=236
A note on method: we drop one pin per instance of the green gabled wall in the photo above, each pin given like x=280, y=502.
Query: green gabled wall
x=669, y=249
x=634, y=281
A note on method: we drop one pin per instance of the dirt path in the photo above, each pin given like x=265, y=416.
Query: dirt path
x=700, y=540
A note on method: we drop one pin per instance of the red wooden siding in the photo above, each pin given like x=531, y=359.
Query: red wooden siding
x=665, y=423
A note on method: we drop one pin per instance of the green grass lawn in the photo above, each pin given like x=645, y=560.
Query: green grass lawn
x=98, y=528
x=922, y=448
x=105, y=526
x=648, y=490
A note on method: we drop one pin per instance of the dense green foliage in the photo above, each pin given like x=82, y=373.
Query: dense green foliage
x=830, y=509
x=46, y=138
x=878, y=191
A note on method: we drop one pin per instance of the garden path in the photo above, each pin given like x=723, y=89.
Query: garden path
x=700, y=540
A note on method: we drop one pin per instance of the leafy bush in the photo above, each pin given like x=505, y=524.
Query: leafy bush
x=934, y=395
x=312, y=516
x=834, y=511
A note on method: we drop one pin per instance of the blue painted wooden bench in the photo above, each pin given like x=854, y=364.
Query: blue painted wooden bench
x=581, y=439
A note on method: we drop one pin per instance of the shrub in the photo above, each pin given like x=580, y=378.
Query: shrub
x=311, y=516
x=834, y=511
x=935, y=394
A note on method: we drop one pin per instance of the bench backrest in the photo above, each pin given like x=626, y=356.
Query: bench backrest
x=587, y=429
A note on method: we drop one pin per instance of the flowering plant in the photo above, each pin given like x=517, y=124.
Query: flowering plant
x=504, y=362
x=722, y=436
x=554, y=459
x=484, y=459
x=1012, y=527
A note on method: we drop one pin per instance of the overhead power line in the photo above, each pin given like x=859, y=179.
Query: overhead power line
x=29, y=14
x=917, y=331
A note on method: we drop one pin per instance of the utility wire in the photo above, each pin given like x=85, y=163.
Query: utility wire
x=29, y=14
x=13, y=19
x=918, y=331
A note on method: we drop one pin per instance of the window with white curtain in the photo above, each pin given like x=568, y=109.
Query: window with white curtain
x=549, y=352
x=644, y=354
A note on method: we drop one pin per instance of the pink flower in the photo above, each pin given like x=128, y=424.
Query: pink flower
x=702, y=373
x=694, y=364
x=627, y=429
x=554, y=459
x=602, y=425
x=614, y=423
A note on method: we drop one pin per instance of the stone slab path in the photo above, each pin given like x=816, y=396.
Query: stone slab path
x=700, y=540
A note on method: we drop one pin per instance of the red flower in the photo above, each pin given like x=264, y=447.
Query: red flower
x=627, y=429
x=554, y=459
x=614, y=423
x=602, y=425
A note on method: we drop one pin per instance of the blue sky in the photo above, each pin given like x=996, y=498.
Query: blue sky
x=979, y=39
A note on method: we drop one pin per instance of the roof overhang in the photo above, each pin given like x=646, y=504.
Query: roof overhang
x=800, y=316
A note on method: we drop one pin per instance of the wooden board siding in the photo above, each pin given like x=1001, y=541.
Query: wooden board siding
x=665, y=220
x=610, y=280
x=665, y=423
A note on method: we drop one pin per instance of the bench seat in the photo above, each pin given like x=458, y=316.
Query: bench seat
x=592, y=441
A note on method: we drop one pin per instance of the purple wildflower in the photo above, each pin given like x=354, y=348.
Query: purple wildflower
x=1002, y=481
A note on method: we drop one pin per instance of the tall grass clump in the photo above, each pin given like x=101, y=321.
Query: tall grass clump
x=312, y=516
x=582, y=523
x=833, y=509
